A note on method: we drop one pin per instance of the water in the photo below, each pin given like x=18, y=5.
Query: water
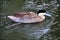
x=46, y=30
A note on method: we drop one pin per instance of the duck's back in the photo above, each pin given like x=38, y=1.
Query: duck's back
x=27, y=17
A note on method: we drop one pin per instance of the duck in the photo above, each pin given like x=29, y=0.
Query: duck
x=28, y=17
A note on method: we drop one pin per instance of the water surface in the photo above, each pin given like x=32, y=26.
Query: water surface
x=46, y=30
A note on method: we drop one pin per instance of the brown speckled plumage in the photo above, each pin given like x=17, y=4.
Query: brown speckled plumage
x=26, y=17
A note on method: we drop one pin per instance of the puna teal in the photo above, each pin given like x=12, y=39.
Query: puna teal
x=28, y=17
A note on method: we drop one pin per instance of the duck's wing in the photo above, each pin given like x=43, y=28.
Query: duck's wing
x=22, y=14
x=19, y=14
x=31, y=18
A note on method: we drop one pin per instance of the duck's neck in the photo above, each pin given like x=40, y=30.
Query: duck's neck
x=42, y=17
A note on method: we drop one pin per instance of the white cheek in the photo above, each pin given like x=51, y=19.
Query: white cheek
x=40, y=14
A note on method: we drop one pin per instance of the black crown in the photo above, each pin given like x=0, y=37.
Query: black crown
x=41, y=11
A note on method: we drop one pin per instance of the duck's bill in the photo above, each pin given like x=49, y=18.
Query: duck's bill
x=49, y=15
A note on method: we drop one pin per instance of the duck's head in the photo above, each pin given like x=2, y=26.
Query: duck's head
x=42, y=13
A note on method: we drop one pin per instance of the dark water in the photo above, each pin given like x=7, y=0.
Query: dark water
x=46, y=30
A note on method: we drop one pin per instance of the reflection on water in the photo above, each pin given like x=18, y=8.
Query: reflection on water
x=29, y=31
x=32, y=31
